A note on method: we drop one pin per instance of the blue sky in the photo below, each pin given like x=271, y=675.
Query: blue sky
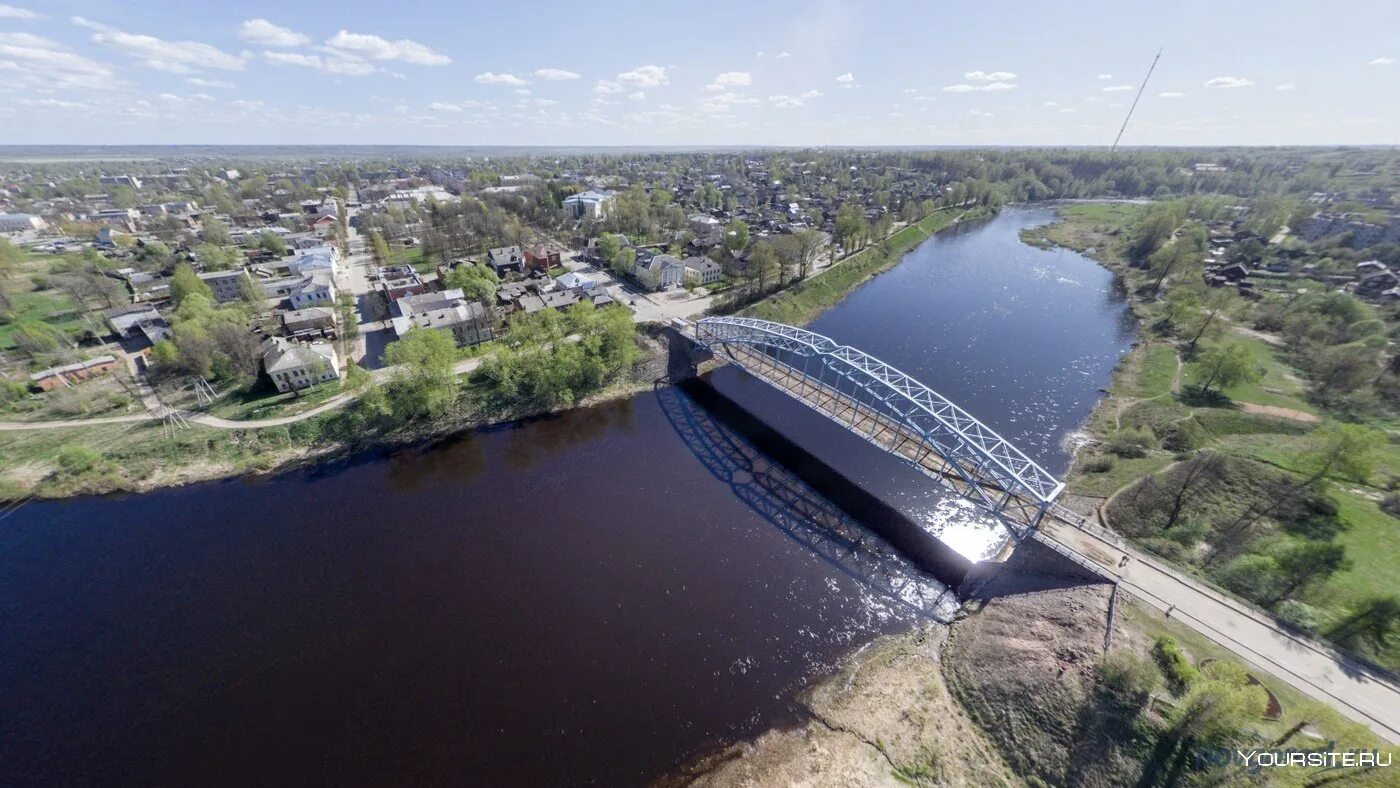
x=684, y=73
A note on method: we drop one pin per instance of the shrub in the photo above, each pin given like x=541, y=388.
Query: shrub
x=1301, y=615
x=1098, y=464
x=1252, y=576
x=1391, y=505
x=1182, y=436
x=1179, y=671
x=1130, y=443
x=1129, y=676
x=77, y=459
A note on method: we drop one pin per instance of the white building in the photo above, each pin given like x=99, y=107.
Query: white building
x=317, y=288
x=660, y=272
x=293, y=366
x=572, y=281
x=589, y=205
x=702, y=271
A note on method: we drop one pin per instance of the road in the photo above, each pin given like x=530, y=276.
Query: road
x=1309, y=667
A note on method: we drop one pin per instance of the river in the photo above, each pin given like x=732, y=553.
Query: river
x=581, y=599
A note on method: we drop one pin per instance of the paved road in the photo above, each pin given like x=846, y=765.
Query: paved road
x=1309, y=667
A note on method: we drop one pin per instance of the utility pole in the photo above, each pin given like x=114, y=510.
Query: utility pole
x=1141, y=88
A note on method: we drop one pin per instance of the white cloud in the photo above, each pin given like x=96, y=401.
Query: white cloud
x=1228, y=82
x=1116, y=88
x=443, y=106
x=1068, y=110
x=782, y=56
x=1287, y=86
x=49, y=103
x=1171, y=95
x=989, y=87
x=11, y=12
x=243, y=104
x=784, y=101
x=1052, y=103
x=201, y=97
x=178, y=57
x=989, y=76
x=201, y=82
x=734, y=78
x=265, y=33
x=1381, y=61
x=492, y=78
x=331, y=62
x=637, y=96
x=376, y=48
x=645, y=77
x=846, y=78
x=32, y=61
x=555, y=74
x=1104, y=76
x=604, y=87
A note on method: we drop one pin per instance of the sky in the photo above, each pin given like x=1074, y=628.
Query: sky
x=828, y=72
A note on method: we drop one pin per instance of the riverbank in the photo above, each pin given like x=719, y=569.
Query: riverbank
x=148, y=455
x=803, y=302
x=945, y=705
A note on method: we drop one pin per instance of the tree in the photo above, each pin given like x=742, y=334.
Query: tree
x=216, y=232
x=10, y=257
x=478, y=282
x=186, y=282
x=380, y=248
x=272, y=242
x=1375, y=619
x=608, y=246
x=423, y=384
x=1347, y=450
x=763, y=267
x=809, y=244
x=736, y=238
x=1305, y=564
x=850, y=225
x=1225, y=365
x=1185, y=251
x=625, y=261
x=1189, y=480
x=1219, y=302
x=1218, y=705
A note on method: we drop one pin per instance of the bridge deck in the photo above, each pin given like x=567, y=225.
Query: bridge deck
x=888, y=434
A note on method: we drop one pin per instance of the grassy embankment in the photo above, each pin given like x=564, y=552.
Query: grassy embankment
x=1263, y=449
x=803, y=302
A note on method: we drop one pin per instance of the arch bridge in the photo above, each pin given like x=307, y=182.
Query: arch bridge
x=892, y=410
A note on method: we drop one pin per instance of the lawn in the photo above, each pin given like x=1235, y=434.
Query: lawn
x=1279, y=386
x=262, y=401
x=53, y=308
x=1155, y=371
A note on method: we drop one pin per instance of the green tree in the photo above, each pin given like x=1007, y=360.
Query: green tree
x=185, y=283
x=478, y=282
x=1217, y=706
x=1225, y=365
x=736, y=237
x=1347, y=450
x=850, y=225
x=1375, y=620
x=216, y=232
x=608, y=246
x=380, y=248
x=1218, y=304
x=1306, y=564
x=423, y=385
x=272, y=242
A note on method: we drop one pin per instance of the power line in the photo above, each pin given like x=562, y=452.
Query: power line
x=1141, y=88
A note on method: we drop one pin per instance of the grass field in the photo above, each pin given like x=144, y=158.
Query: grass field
x=1279, y=386
x=51, y=307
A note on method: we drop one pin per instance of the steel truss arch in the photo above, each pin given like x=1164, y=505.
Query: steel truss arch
x=893, y=410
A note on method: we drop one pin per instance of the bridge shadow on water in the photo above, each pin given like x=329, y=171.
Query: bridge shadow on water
x=865, y=538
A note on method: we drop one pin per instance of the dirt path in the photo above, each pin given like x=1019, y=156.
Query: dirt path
x=1124, y=404
x=1274, y=410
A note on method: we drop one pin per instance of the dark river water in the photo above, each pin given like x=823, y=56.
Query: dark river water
x=585, y=599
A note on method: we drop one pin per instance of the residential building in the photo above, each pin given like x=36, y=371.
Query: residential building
x=316, y=258
x=541, y=258
x=317, y=288
x=702, y=271
x=126, y=320
x=294, y=366
x=397, y=281
x=505, y=260
x=449, y=311
x=660, y=272
x=575, y=281
x=311, y=320
x=589, y=205
x=227, y=286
